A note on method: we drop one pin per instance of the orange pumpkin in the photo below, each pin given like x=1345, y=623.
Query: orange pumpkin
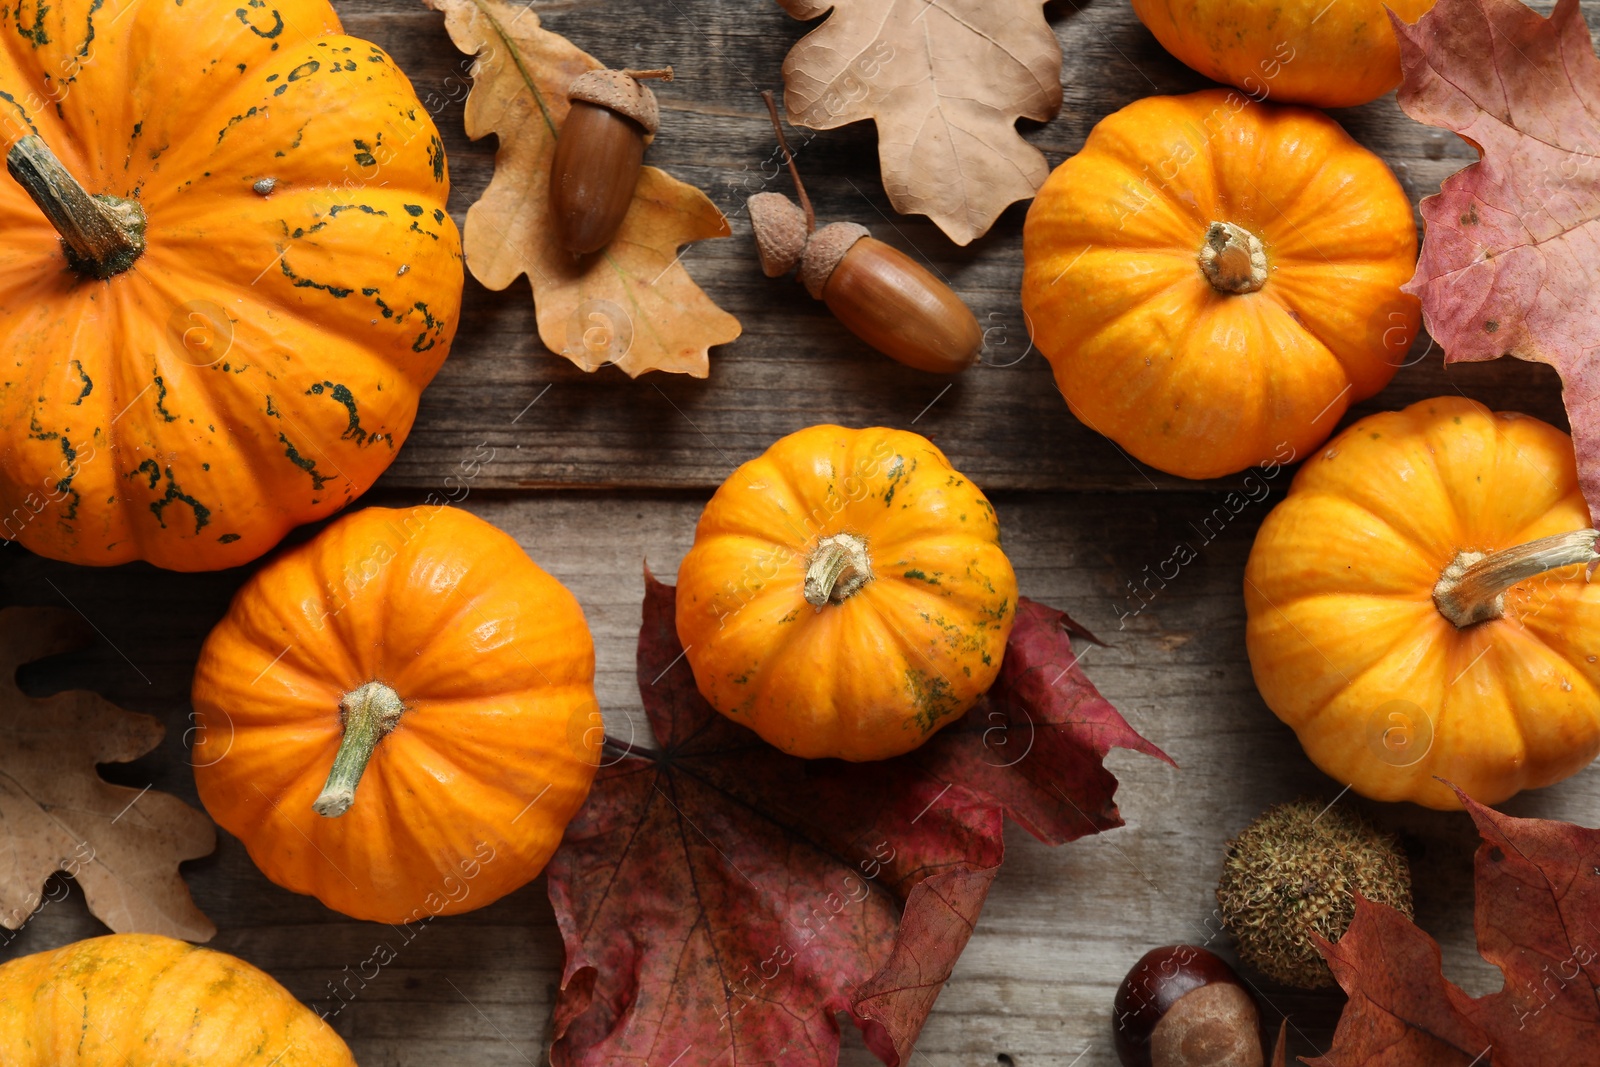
x=229, y=336
x=1418, y=606
x=846, y=594
x=421, y=656
x=140, y=1000
x=1214, y=285
x=1302, y=52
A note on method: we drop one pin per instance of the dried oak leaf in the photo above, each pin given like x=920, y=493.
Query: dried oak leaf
x=720, y=901
x=1538, y=920
x=632, y=303
x=122, y=845
x=945, y=83
x=1513, y=241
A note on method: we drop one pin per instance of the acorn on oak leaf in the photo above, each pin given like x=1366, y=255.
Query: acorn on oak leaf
x=878, y=292
x=599, y=154
x=1182, y=1006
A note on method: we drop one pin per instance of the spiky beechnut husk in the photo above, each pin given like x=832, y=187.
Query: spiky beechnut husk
x=1297, y=869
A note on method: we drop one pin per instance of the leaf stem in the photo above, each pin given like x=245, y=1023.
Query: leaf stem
x=628, y=748
x=788, y=158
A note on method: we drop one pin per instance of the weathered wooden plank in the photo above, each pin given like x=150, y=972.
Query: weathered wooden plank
x=1061, y=926
x=795, y=366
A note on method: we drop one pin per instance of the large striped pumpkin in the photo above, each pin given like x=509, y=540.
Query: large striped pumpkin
x=226, y=274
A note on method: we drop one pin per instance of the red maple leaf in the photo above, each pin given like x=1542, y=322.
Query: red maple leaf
x=720, y=901
x=1538, y=920
x=1512, y=243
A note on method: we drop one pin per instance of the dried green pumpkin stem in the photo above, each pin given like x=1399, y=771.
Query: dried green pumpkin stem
x=102, y=235
x=369, y=713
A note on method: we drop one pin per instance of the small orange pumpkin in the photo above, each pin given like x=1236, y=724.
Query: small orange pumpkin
x=1215, y=284
x=140, y=1000
x=846, y=594
x=1418, y=606
x=421, y=655
x=1330, y=54
x=223, y=331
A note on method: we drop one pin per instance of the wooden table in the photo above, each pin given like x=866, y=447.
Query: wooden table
x=596, y=475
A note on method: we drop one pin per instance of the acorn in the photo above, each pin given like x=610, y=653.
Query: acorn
x=877, y=291
x=1297, y=869
x=599, y=154
x=1182, y=1006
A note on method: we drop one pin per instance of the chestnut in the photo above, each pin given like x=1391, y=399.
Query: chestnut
x=1182, y=1006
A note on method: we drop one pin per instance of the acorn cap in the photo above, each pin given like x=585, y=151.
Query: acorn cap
x=780, y=229
x=824, y=251
x=1297, y=869
x=620, y=92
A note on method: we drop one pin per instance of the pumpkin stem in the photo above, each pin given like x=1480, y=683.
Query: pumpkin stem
x=1473, y=587
x=839, y=566
x=1233, y=259
x=369, y=712
x=102, y=234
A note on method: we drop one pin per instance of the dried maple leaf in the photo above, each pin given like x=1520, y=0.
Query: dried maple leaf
x=122, y=845
x=1513, y=241
x=945, y=82
x=1538, y=920
x=718, y=896
x=632, y=303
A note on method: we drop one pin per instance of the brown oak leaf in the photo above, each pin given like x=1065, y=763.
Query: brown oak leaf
x=1538, y=920
x=1513, y=241
x=945, y=82
x=56, y=814
x=720, y=901
x=632, y=303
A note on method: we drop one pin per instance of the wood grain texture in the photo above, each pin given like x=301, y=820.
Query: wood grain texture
x=1081, y=521
x=795, y=365
x=1061, y=926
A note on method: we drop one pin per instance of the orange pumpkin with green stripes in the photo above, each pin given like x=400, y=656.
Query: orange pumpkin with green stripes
x=846, y=594
x=226, y=274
